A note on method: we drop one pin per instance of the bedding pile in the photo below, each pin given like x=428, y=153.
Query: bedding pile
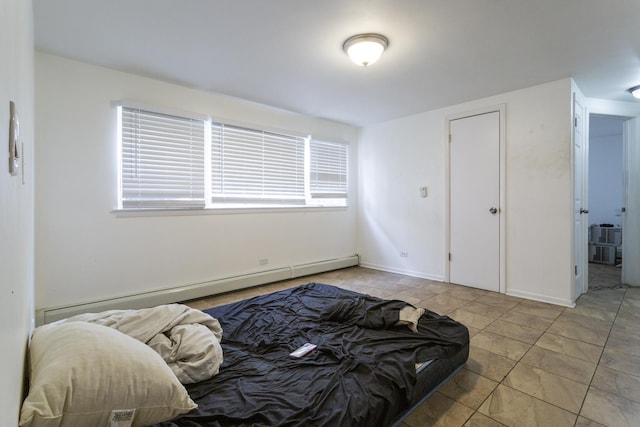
x=362, y=371
x=187, y=339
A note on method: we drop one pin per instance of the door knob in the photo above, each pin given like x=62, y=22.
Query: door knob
x=584, y=211
x=493, y=210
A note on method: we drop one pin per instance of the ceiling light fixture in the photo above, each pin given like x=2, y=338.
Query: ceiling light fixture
x=365, y=49
x=635, y=91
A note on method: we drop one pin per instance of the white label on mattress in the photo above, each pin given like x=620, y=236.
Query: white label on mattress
x=301, y=351
x=122, y=417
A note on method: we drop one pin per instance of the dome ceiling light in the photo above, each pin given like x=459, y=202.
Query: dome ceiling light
x=365, y=49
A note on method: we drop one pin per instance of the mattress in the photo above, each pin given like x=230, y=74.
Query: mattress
x=365, y=370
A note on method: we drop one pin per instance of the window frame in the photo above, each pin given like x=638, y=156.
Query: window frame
x=304, y=201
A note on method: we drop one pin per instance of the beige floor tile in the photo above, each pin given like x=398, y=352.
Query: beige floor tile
x=379, y=293
x=604, y=299
x=499, y=301
x=414, y=293
x=468, y=318
x=439, y=411
x=562, y=392
x=595, y=312
x=626, y=330
x=500, y=345
x=586, y=422
x=464, y=292
x=483, y=309
x=488, y=364
x=628, y=312
x=570, y=347
x=200, y=304
x=472, y=331
x=514, y=331
x=544, y=312
x=560, y=364
x=621, y=361
x=392, y=287
x=617, y=382
x=435, y=287
x=529, y=320
x=582, y=328
x=633, y=293
x=442, y=303
x=624, y=345
x=479, y=420
x=514, y=408
x=468, y=388
x=610, y=410
x=631, y=302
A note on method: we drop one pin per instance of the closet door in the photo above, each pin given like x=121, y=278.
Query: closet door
x=474, y=201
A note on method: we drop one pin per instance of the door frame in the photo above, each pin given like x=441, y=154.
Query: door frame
x=501, y=110
x=628, y=111
x=580, y=243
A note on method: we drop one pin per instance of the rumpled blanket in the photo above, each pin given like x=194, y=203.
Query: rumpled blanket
x=187, y=339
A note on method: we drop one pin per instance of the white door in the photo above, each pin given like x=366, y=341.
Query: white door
x=474, y=201
x=580, y=210
x=631, y=215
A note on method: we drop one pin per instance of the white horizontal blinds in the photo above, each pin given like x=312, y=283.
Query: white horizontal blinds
x=254, y=166
x=328, y=170
x=162, y=160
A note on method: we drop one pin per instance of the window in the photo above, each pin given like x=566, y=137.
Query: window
x=328, y=170
x=253, y=166
x=162, y=160
x=172, y=162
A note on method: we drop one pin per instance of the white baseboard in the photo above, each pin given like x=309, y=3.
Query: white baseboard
x=192, y=291
x=541, y=298
x=402, y=271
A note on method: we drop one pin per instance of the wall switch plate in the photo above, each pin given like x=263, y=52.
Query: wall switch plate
x=423, y=192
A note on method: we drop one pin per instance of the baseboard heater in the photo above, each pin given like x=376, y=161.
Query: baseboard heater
x=193, y=291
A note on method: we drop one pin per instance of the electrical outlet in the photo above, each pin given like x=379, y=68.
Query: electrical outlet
x=263, y=261
x=404, y=254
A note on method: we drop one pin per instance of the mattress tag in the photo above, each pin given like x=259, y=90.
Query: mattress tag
x=122, y=417
x=301, y=351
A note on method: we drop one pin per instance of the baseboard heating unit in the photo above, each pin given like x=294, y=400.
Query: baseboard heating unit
x=193, y=291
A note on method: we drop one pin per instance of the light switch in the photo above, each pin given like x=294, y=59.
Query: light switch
x=423, y=192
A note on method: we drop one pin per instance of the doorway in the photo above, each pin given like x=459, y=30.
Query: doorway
x=606, y=201
x=475, y=199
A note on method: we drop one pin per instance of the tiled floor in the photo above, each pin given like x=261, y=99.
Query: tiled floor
x=530, y=364
x=604, y=276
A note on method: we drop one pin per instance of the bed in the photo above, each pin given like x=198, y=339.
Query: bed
x=371, y=362
x=367, y=369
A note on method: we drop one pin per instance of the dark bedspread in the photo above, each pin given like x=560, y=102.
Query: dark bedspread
x=361, y=374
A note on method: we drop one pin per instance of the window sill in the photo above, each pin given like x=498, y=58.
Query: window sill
x=128, y=213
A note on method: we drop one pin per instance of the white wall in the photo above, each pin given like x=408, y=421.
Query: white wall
x=605, y=177
x=16, y=205
x=84, y=252
x=399, y=156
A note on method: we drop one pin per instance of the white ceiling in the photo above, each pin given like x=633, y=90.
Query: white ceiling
x=288, y=53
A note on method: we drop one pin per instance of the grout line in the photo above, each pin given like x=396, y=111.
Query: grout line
x=600, y=358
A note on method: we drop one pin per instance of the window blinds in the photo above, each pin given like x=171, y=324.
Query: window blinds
x=254, y=166
x=328, y=170
x=162, y=160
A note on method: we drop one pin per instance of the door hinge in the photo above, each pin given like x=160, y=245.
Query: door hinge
x=449, y=256
x=576, y=269
x=575, y=122
x=449, y=138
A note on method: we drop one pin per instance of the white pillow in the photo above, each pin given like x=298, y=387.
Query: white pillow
x=80, y=372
